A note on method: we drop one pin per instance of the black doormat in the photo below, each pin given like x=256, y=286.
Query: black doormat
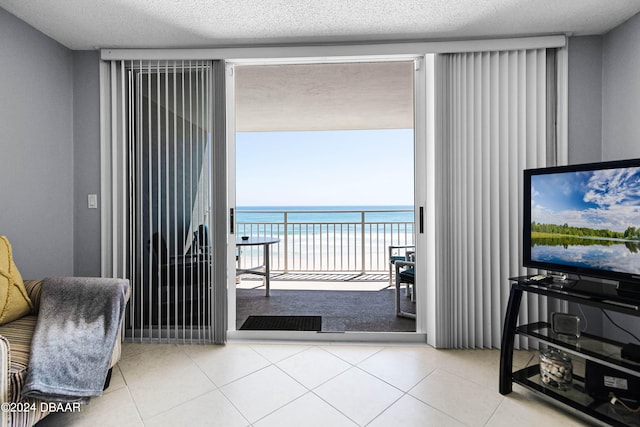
x=282, y=323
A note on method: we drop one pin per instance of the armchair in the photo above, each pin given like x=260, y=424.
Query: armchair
x=16, y=339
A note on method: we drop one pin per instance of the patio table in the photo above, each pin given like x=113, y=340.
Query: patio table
x=263, y=270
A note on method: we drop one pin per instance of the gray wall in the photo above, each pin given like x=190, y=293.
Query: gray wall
x=49, y=152
x=621, y=92
x=36, y=149
x=604, y=119
x=621, y=119
x=86, y=159
x=585, y=99
x=585, y=125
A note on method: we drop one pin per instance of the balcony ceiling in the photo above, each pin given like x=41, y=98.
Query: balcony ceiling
x=331, y=96
x=324, y=97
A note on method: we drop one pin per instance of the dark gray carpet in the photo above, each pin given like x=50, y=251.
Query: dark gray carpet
x=357, y=311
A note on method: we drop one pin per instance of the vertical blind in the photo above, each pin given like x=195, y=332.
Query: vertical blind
x=495, y=108
x=161, y=115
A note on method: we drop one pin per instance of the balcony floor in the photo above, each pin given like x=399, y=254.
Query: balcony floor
x=346, y=302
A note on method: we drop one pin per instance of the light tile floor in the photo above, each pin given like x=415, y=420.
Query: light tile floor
x=266, y=384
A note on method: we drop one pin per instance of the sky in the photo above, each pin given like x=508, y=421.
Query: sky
x=606, y=199
x=325, y=168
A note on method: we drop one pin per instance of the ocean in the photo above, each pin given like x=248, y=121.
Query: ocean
x=326, y=238
x=324, y=214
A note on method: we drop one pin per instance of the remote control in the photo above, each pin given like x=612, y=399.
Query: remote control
x=540, y=278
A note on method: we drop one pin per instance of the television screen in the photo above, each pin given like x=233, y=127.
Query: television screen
x=584, y=219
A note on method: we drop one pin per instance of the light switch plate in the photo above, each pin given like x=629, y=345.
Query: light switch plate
x=93, y=201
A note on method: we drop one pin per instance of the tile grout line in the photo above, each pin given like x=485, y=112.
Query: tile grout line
x=311, y=390
x=131, y=396
x=493, y=413
x=338, y=410
x=444, y=369
x=184, y=354
x=270, y=364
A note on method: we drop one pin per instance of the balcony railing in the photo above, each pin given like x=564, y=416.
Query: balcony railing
x=326, y=240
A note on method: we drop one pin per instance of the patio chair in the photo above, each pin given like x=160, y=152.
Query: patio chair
x=399, y=253
x=405, y=273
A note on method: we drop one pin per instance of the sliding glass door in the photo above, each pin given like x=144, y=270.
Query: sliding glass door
x=299, y=132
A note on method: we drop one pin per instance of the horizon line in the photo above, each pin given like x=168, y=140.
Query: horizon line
x=322, y=205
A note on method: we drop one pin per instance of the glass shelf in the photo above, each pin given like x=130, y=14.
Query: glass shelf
x=587, y=346
x=576, y=398
x=601, y=351
x=583, y=292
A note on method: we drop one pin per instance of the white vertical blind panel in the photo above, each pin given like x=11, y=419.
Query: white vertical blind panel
x=161, y=124
x=484, y=316
x=494, y=210
x=124, y=175
x=115, y=104
x=502, y=106
x=495, y=126
x=445, y=233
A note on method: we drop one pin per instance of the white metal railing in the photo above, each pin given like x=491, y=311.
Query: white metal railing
x=326, y=240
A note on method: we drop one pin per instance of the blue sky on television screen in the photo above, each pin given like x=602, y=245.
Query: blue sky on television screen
x=602, y=199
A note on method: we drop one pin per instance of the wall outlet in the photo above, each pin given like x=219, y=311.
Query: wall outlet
x=93, y=201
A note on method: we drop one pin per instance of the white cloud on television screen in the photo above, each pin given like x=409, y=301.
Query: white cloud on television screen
x=616, y=194
x=616, y=219
x=614, y=187
x=534, y=192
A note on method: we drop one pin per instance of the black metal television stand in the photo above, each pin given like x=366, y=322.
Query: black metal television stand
x=588, y=347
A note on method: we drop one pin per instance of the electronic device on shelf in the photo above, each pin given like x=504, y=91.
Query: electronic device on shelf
x=602, y=380
x=565, y=324
x=585, y=220
x=560, y=277
x=630, y=351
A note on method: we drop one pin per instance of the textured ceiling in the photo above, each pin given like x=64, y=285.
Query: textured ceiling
x=321, y=96
x=87, y=24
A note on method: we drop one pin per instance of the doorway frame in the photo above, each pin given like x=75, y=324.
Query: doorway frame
x=421, y=92
x=437, y=298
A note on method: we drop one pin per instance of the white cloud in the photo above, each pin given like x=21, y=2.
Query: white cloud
x=617, y=218
x=616, y=196
x=614, y=187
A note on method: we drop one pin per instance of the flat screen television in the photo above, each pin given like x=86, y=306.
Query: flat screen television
x=585, y=220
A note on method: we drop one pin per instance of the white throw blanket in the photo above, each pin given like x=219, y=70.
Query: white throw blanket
x=74, y=337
